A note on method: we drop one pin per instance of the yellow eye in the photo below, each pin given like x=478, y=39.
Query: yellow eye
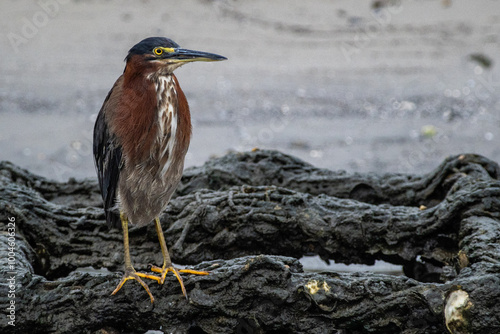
x=158, y=51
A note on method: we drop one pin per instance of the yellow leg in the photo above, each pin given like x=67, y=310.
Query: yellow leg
x=167, y=263
x=130, y=272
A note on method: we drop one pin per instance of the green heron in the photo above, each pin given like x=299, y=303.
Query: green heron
x=141, y=137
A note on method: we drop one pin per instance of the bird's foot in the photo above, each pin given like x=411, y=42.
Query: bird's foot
x=130, y=273
x=166, y=269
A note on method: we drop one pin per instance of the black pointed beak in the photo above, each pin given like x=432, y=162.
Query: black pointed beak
x=184, y=55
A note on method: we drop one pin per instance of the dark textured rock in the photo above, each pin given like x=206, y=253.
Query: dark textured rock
x=444, y=227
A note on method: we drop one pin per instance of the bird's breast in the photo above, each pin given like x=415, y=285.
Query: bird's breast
x=157, y=168
x=168, y=149
x=165, y=147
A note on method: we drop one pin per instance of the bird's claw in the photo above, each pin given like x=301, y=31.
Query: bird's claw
x=132, y=274
x=166, y=269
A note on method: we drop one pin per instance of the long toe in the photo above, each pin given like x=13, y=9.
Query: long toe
x=166, y=269
x=132, y=274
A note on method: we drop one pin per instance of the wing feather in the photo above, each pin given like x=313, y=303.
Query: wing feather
x=108, y=161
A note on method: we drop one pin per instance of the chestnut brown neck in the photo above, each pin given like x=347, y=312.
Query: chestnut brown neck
x=137, y=114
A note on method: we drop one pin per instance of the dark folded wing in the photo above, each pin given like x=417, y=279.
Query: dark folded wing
x=108, y=162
